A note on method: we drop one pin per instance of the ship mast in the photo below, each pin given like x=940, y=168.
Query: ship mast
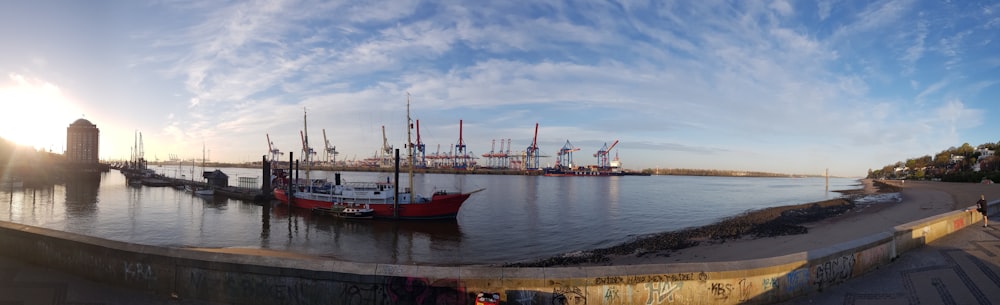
x=306, y=150
x=409, y=143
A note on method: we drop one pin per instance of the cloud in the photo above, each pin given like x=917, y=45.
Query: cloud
x=916, y=50
x=686, y=77
x=782, y=7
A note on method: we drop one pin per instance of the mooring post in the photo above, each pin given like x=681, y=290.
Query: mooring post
x=265, y=186
x=395, y=189
x=291, y=181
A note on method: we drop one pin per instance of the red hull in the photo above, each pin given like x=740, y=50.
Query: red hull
x=301, y=203
x=444, y=206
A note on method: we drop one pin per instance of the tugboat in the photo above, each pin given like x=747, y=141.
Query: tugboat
x=356, y=212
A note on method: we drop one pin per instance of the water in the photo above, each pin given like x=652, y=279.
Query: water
x=516, y=218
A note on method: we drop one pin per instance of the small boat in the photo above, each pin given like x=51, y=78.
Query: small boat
x=487, y=298
x=357, y=212
x=198, y=191
x=205, y=192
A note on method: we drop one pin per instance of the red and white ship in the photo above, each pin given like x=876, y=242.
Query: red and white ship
x=380, y=197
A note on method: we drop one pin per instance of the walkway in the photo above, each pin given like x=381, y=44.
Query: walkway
x=27, y=284
x=962, y=268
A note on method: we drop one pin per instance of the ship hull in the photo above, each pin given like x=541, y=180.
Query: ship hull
x=440, y=206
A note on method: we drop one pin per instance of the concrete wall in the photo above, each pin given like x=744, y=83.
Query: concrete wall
x=243, y=279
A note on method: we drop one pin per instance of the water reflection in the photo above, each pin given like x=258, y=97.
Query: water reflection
x=82, y=192
x=361, y=240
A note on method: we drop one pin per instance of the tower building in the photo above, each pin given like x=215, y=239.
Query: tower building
x=82, y=143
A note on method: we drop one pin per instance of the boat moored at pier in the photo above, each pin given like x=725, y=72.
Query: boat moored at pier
x=380, y=197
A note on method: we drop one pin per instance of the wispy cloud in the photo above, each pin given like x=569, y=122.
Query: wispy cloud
x=726, y=79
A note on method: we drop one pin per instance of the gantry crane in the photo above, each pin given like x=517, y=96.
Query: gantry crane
x=386, y=158
x=565, y=155
x=307, y=152
x=461, y=156
x=330, y=151
x=602, y=155
x=422, y=163
x=273, y=150
x=531, y=153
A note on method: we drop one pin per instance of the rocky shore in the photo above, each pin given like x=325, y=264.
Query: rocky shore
x=769, y=222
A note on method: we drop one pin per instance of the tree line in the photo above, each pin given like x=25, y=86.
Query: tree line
x=715, y=172
x=955, y=164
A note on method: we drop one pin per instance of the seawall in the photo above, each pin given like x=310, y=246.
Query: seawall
x=246, y=279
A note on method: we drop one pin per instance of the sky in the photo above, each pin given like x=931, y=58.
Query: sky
x=775, y=86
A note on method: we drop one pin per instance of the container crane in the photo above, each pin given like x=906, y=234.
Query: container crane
x=330, y=151
x=386, y=158
x=307, y=152
x=420, y=149
x=490, y=155
x=565, y=155
x=275, y=153
x=531, y=158
x=602, y=155
x=461, y=156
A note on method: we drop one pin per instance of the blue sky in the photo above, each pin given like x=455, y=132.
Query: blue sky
x=775, y=86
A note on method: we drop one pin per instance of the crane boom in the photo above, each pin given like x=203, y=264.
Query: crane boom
x=385, y=142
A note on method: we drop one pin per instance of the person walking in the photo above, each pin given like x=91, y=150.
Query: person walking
x=981, y=206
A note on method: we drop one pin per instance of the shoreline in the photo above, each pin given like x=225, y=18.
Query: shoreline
x=767, y=223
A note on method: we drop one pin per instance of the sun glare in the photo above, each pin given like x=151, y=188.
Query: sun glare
x=36, y=113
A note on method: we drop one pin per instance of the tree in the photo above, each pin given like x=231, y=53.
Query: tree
x=965, y=150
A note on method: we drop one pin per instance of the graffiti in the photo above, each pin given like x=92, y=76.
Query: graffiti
x=609, y=280
x=796, y=280
x=611, y=296
x=77, y=259
x=770, y=283
x=568, y=296
x=408, y=290
x=833, y=271
x=721, y=291
x=702, y=277
x=659, y=292
x=958, y=223
x=639, y=279
x=525, y=297
x=355, y=295
x=870, y=258
x=244, y=288
x=138, y=271
x=746, y=288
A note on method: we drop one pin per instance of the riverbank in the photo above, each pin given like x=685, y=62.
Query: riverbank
x=875, y=207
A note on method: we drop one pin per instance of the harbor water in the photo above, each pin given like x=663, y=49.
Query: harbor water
x=516, y=218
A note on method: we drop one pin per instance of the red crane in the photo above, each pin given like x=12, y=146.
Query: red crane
x=532, y=152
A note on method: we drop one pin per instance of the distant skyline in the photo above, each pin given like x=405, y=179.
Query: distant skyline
x=770, y=86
